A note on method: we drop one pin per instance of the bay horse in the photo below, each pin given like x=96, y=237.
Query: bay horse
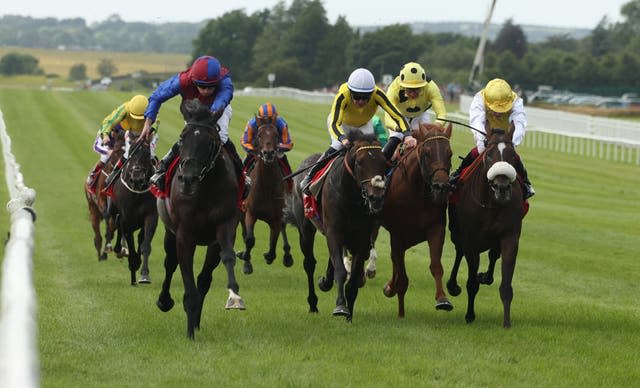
x=415, y=209
x=137, y=209
x=98, y=203
x=266, y=198
x=352, y=196
x=200, y=210
x=489, y=211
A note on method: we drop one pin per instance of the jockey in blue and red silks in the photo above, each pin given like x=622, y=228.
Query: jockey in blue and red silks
x=208, y=81
x=267, y=113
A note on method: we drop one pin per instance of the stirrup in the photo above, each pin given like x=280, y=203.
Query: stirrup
x=156, y=177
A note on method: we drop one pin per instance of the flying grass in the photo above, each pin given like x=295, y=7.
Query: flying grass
x=575, y=312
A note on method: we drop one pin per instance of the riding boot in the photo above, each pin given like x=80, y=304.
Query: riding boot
x=115, y=173
x=466, y=162
x=91, y=179
x=319, y=165
x=158, y=177
x=390, y=147
x=528, y=191
x=286, y=170
x=231, y=150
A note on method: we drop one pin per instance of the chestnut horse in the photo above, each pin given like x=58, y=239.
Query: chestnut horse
x=98, y=203
x=351, y=198
x=137, y=209
x=266, y=198
x=200, y=210
x=489, y=213
x=415, y=209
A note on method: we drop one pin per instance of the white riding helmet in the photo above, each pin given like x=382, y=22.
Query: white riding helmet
x=361, y=81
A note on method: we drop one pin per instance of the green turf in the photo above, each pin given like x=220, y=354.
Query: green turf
x=575, y=311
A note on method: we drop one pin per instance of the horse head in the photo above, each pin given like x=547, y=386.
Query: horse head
x=434, y=158
x=368, y=166
x=139, y=168
x=267, y=141
x=200, y=145
x=499, y=160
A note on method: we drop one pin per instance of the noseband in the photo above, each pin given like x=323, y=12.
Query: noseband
x=363, y=182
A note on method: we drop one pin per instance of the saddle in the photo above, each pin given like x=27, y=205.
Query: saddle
x=312, y=202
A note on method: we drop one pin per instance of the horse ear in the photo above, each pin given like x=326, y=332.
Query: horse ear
x=512, y=129
x=448, y=130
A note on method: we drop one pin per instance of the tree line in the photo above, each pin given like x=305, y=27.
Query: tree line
x=299, y=45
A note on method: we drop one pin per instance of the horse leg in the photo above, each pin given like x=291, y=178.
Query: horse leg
x=165, y=301
x=274, y=233
x=226, y=235
x=452, y=284
x=373, y=255
x=97, y=234
x=340, y=275
x=249, y=242
x=191, y=300
x=356, y=281
x=509, y=249
x=287, y=259
x=399, y=282
x=211, y=261
x=150, y=224
x=487, y=277
x=435, y=238
x=473, y=261
x=134, y=256
x=306, y=236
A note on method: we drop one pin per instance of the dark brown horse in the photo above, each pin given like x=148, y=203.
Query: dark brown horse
x=266, y=198
x=200, y=210
x=136, y=208
x=415, y=209
x=489, y=212
x=351, y=197
x=98, y=204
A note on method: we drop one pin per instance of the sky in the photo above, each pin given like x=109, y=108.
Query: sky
x=554, y=13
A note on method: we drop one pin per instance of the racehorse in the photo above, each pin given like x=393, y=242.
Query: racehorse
x=137, y=209
x=200, y=210
x=415, y=209
x=97, y=201
x=489, y=212
x=266, y=198
x=351, y=197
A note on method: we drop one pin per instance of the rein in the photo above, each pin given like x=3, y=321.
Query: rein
x=213, y=155
x=350, y=170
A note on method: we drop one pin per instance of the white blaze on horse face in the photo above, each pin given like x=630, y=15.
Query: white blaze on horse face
x=377, y=181
x=501, y=148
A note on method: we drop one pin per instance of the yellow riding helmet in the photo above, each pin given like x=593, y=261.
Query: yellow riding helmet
x=498, y=95
x=412, y=76
x=137, y=106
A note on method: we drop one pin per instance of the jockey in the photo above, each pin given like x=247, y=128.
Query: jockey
x=267, y=113
x=498, y=106
x=206, y=80
x=413, y=93
x=353, y=108
x=128, y=117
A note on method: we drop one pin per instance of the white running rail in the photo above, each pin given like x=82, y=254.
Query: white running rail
x=19, y=365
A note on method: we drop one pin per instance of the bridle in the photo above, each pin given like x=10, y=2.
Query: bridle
x=213, y=153
x=266, y=156
x=362, y=182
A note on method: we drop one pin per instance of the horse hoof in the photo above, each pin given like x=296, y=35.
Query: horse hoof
x=454, y=289
x=287, y=260
x=164, y=307
x=388, y=291
x=235, y=304
x=324, y=285
x=108, y=248
x=484, y=278
x=247, y=269
x=144, y=280
x=240, y=255
x=102, y=256
x=469, y=318
x=444, y=304
x=341, y=311
x=269, y=258
x=371, y=274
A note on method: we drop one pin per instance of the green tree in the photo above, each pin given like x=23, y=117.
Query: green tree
x=78, y=72
x=106, y=67
x=15, y=64
x=511, y=38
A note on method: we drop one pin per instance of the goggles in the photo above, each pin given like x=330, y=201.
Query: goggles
x=360, y=96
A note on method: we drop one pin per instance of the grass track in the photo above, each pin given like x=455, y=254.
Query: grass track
x=575, y=312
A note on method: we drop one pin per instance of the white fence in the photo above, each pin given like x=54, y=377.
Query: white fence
x=611, y=139
x=19, y=366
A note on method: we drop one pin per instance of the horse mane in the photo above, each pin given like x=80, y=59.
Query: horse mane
x=359, y=136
